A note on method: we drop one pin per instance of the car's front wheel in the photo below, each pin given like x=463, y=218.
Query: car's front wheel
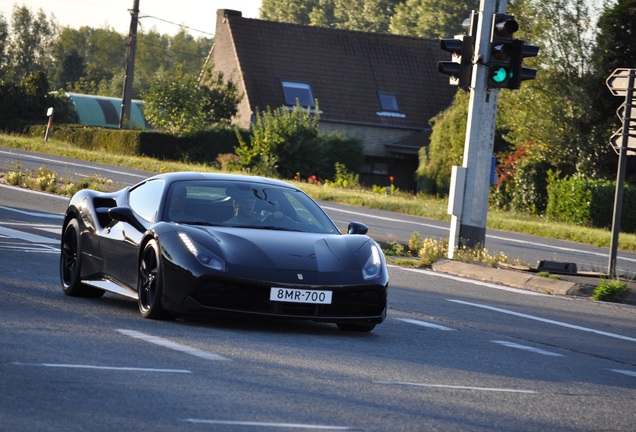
x=71, y=263
x=149, y=283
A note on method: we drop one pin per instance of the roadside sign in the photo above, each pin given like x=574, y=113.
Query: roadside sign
x=618, y=82
x=616, y=141
x=631, y=114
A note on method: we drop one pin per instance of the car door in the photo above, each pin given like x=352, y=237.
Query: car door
x=120, y=246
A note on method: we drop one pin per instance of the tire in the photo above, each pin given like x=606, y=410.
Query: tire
x=71, y=264
x=150, y=283
x=356, y=327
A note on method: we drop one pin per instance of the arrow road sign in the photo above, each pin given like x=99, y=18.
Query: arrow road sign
x=618, y=82
x=631, y=114
x=617, y=142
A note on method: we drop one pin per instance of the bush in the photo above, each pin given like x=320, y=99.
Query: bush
x=586, y=202
x=286, y=143
x=612, y=290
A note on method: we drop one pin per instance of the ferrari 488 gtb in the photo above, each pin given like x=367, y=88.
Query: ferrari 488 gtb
x=182, y=243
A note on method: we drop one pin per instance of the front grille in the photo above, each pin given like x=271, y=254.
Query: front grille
x=347, y=302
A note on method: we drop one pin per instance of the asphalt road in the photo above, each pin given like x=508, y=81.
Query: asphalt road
x=453, y=355
x=383, y=225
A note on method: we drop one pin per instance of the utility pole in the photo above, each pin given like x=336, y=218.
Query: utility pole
x=124, y=118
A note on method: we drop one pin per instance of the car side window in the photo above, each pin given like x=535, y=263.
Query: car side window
x=144, y=199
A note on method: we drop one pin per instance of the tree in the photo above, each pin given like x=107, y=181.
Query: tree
x=445, y=149
x=30, y=41
x=548, y=117
x=221, y=98
x=4, y=38
x=615, y=48
x=361, y=15
x=177, y=103
x=431, y=18
x=291, y=11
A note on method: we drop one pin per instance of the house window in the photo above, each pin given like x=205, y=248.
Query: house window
x=388, y=102
x=298, y=93
x=389, y=106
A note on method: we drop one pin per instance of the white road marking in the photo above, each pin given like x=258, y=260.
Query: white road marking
x=272, y=425
x=470, y=281
x=171, y=345
x=83, y=165
x=545, y=320
x=28, y=247
x=425, y=324
x=508, y=239
x=624, y=372
x=452, y=387
x=114, y=368
x=33, y=238
x=34, y=192
x=33, y=213
x=528, y=348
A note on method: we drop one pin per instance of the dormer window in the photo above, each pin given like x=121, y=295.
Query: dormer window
x=298, y=93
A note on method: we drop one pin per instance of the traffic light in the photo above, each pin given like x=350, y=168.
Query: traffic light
x=502, y=48
x=460, y=68
x=520, y=51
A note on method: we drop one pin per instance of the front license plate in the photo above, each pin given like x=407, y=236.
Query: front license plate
x=299, y=295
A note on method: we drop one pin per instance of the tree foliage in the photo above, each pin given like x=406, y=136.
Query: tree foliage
x=178, y=104
x=26, y=48
x=431, y=18
x=445, y=149
x=92, y=60
x=362, y=15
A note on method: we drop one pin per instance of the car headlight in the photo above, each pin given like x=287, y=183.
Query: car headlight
x=203, y=255
x=373, y=267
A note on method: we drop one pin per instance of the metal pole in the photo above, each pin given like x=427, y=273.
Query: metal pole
x=469, y=228
x=620, y=176
x=124, y=118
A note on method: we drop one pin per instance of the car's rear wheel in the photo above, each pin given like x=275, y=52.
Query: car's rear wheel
x=71, y=263
x=356, y=327
x=149, y=283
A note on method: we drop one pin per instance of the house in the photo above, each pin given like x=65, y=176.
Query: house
x=381, y=88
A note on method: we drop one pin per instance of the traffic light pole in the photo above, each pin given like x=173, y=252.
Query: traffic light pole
x=468, y=226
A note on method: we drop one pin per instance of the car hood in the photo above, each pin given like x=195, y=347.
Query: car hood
x=287, y=256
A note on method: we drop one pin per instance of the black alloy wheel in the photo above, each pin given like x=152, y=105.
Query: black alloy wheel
x=70, y=264
x=149, y=283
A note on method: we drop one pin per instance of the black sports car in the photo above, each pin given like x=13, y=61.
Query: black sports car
x=182, y=243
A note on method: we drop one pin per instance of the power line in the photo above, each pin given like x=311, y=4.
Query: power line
x=179, y=25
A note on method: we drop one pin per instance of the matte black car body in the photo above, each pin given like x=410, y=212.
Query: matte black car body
x=129, y=242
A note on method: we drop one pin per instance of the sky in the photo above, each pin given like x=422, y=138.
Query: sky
x=198, y=15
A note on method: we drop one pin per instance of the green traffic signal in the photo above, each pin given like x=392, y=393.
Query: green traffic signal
x=500, y=75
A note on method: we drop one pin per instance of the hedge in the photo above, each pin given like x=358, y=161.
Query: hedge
x=201, y=147
x=589, y=203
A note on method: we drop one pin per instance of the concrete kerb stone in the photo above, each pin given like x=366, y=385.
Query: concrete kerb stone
x=511, y=278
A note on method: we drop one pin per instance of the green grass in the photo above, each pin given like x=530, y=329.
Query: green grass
x=426, y=206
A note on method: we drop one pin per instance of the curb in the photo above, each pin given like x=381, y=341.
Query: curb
x=512, y=278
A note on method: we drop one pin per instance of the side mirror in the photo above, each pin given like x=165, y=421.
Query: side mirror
x=357, y=228
x=125, y=214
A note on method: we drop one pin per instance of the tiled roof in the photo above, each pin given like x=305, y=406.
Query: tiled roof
x=346, y=69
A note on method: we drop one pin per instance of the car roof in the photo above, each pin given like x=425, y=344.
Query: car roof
x=195, y=175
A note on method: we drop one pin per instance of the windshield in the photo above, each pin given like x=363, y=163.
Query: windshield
x=244, y=205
